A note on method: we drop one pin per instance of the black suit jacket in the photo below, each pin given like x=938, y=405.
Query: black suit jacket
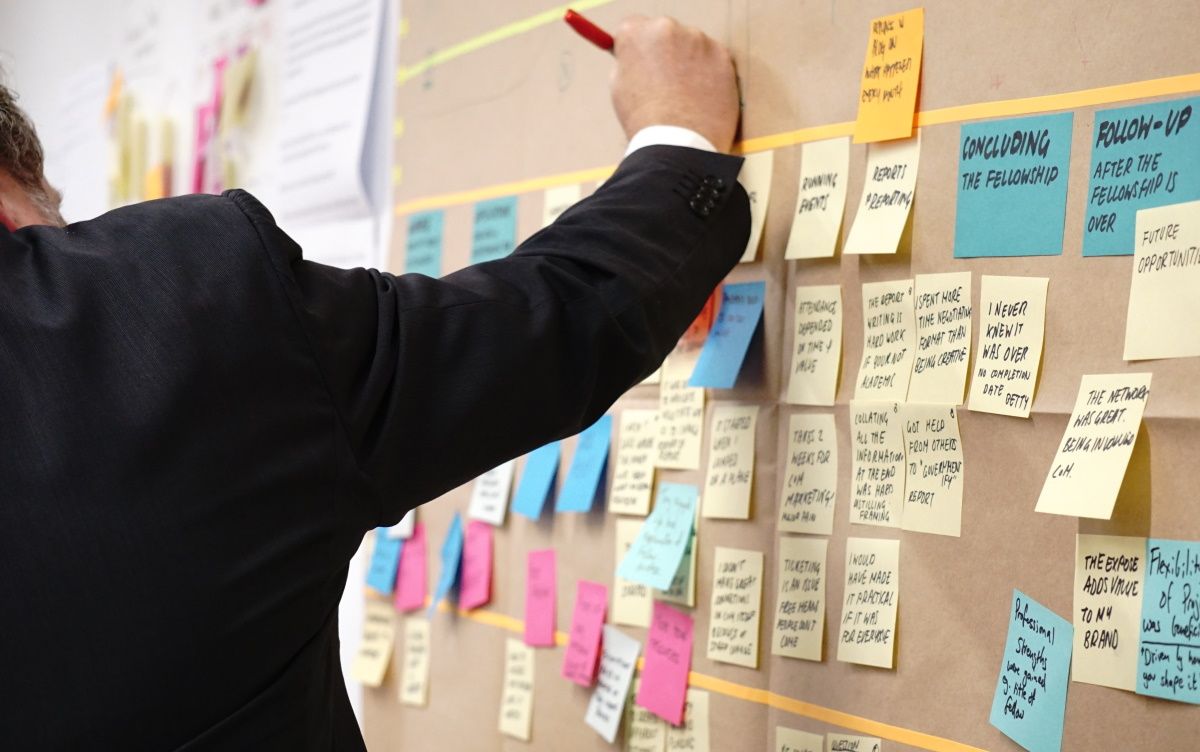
x=197, y=427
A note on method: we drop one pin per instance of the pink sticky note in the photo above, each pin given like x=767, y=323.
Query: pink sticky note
x=539, y=598
x=411, y=579
x=668, y=660
x=476, y=588
x=587, y=625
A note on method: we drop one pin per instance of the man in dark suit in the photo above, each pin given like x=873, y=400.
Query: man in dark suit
x=198, y=426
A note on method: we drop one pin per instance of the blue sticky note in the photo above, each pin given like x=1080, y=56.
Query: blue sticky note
x=1142, y=156
x=725, y=349
x=423, y=247
x=1031, y=691
x=541, y=467
x=1169, y=647
x=1012, y=187
x=495, y=231
x=654, y=557
x=381, y=575
x=451, y=556
x=587, y=467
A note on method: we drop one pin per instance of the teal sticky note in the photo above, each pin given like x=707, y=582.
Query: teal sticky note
x=654, y=557
x=721, y=358
x=452, y=548
x=1012, y=187
x=494, y=234
x=423, y=246
x=1142, y=156
x=1169, y=646
x=1031, y=691
x=385, y=560
x=587, y=467
x=541, y=467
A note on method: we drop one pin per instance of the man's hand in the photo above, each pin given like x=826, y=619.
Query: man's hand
x=671, y=74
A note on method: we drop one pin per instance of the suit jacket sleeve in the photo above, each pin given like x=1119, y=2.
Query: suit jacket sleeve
x=439, y=380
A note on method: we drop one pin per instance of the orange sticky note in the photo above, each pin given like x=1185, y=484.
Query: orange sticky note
x=887, y=99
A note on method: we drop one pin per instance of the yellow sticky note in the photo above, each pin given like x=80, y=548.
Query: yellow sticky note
x=558, y=199
x=867, y=631
x=692, y=735
x=810, y=475
x=889, y=341
x=851, y=743
x=1087, y=471
x=516, y=701
x=730, y=462
x=644, y=731
x=414, y=677
x=375, y=651
x=1162, y=291
x=755, y=177
x=792, y=740
x=933, y=454
x=736, y=606
x=633, y=476
x=816, y=345
x=1109, y=574
x=1012, y=325
x=653, y=378
x=683, y=584
x=887, y=97
x=942, y=308
x=878, y=474
x=820, y=199
x=800, y=607
x=680, y=411
x=887, y=197
x=631, y=601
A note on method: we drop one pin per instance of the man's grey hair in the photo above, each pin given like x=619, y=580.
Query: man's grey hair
x=21, y=156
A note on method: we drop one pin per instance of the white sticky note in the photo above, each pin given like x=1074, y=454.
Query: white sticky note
x=736, y=607
x=558, y=199
x=810, y=473
x=878, y=473
x=489, y=495
x=692, y=735
x=680, y=411
x=887, y=196
x=800, y=605
x=867, y=631
x=375, y=650
x=851, y=743
x=793, y=740
x=1012, y=325
x=633, y=476
x=1165, y=278
x=404, y=528
x=816, y=345
x=942, y=308
x=933, y=454
x=889, y=341
x=1110, y=572
x=631, y=601
x=730, y=462
x=755, y=177
x=414, y=677
x=516, y=701
x=820, y=199
x=607, y=704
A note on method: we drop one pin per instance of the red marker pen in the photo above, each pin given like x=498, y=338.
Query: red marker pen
x=589, y=30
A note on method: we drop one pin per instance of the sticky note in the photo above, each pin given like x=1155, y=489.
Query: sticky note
x=557, y=200
x=583, y=648
x=587, y=468
x=423, y=245
x=537, y=482
x=680, y=411
x=887, y=97
x=810, y=475
x=607, y=703
x=494, y=234
x=867, y=632
x=852, y=743
x=631, y=600
x=736, y=606
x=540, y=598
x=1142, y=156
x=1163, y=284
x=887, y=197
x=933, y=455
x=404, y=528
x=385, y=560
x=489, y=495
x=668, y=660
x=942, y=308
x=516, y=701
x=725, y=349
x=451, y=557
x=475, y=589
x=816, y=345
x=682, y=590
x=878, y=474
x=633, y=476
x=414, y=677
x=800, y=608
x=411, y=577
x=730, y=462
x=375, y=650
x=1012, y=325
x=1169, y=646
x=1110, y=574
x=655, y=554
x=820, y=199
x=1089, y=466
x=1012, y=186
x=793, y=740
x=644, y=731
x=1031, y=691
x=889, y=341
x=755, y=177
x=692, y=735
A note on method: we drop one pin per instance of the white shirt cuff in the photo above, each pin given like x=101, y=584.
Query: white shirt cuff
x=668, y=135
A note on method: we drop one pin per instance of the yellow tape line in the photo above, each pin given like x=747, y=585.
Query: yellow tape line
x=1157, y=87
x=753, y=694
x=408, y=72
